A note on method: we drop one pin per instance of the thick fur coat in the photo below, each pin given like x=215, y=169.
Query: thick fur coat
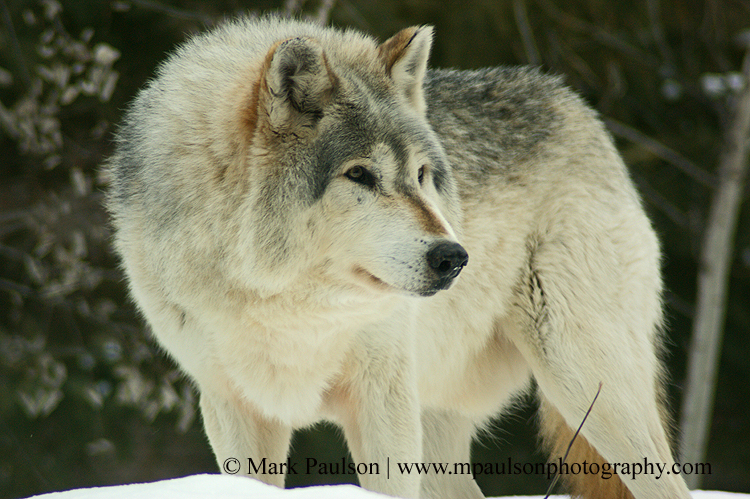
x=294, y=207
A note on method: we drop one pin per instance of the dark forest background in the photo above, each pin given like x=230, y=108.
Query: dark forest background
x=85, y=397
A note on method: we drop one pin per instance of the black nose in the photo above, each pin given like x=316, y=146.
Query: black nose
x=447, y=259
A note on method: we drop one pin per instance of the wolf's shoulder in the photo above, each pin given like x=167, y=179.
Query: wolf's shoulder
x=506, y=80
x=503, y=90
x=496, y=115
x=511, y=119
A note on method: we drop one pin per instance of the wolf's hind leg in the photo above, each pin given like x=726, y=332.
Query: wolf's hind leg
x=238, y=434
x=447, y=439
x=573, y=345
x=617, y=432
x=557, y=435
x=588, y=312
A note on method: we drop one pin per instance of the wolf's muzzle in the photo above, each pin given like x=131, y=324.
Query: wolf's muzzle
x=446, y=259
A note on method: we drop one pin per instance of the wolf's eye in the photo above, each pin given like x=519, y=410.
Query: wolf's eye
x=420, y=175
x=360, y=175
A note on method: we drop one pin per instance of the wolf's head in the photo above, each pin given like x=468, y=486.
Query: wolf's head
x=348, y=179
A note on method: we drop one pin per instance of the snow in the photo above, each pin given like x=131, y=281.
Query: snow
x=237, y=487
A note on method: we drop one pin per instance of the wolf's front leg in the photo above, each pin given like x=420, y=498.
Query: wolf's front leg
x=447, y=439
x=377, y=403
x=245, y=442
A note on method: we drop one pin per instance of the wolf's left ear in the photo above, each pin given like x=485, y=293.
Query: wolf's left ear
x=405, y=57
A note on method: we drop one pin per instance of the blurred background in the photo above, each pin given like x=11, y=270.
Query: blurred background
x=85, y=396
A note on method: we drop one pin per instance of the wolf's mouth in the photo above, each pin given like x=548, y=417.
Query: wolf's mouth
x=371, y=279
x=440, y=284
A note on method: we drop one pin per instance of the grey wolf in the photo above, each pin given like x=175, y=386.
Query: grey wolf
x=317, y=226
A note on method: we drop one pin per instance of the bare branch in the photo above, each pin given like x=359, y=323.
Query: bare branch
x=293, y=7
x=527, y=36
x=599, y=34
x=324, y=11
x=189, y=15
x=657, y=31
x=679, y=304
x=661, y=151
x=572, y=440
x=661, y=203
x=713, y=284
x=14, y=45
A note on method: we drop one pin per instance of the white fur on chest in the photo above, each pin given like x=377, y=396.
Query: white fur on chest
x=282, y=356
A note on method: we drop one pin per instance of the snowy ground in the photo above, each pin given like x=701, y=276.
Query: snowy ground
x=236, y=487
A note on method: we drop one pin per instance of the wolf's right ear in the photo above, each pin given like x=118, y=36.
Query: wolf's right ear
x=405, y=57
x=296, y=85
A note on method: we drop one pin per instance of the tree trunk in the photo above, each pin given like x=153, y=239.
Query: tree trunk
x=713, y=284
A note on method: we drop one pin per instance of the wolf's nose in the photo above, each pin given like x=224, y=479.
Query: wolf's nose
x=447, y=259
